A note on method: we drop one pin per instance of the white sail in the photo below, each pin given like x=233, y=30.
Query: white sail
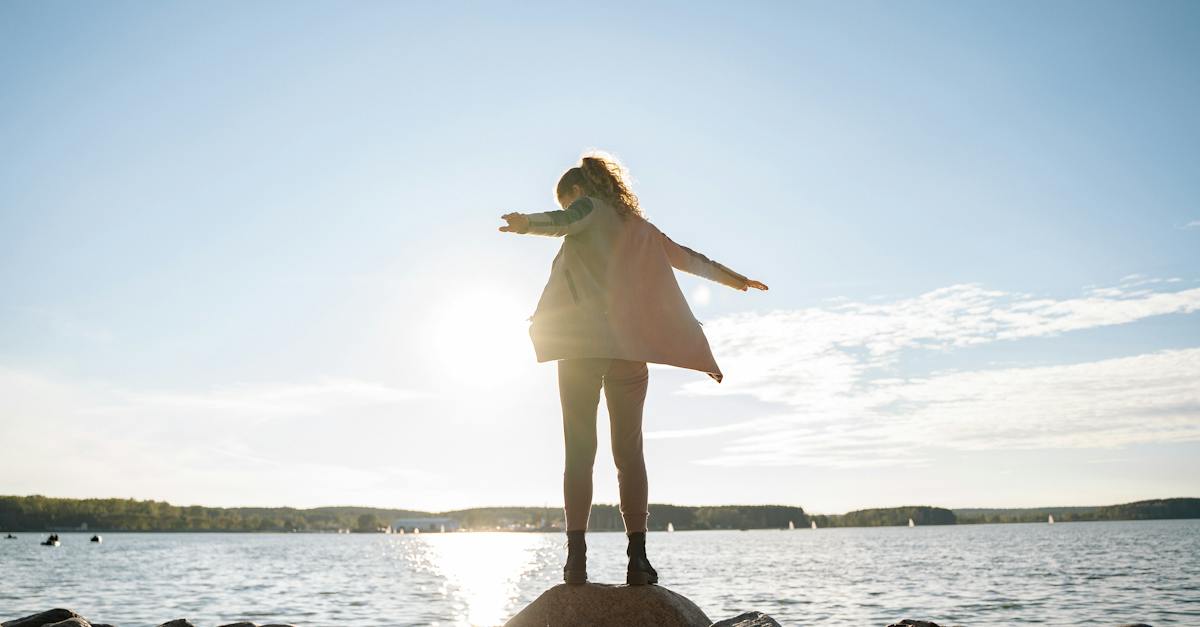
x=791, y=524
x=1051, y=519
x=911, y=523
x=670, y=527
x=814, y=524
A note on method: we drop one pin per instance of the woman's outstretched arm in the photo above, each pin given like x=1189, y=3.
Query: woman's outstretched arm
x=570, y=221
x=692, y=262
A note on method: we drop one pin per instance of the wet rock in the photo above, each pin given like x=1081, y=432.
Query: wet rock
x=41, y=619
x=748, y=619
x=911, y=622
x=71, y=622
x=609, y=605
x=908, y=622
x=178, y=622
x=247, y=623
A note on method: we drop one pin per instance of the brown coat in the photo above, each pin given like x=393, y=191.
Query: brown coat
x=612, y=291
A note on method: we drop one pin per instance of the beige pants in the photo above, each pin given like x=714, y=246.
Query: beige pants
x=624, y=383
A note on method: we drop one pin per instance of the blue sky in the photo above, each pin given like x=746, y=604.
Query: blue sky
x=249, y=252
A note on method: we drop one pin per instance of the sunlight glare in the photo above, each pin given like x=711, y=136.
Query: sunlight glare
x=485, y=568
x=479, y=334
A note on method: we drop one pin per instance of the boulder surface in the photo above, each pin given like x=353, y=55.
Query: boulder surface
x=610, y=605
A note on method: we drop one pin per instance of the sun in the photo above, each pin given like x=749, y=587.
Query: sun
x=479, y=331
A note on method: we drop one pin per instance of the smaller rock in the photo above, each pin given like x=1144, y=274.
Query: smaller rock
x=748, y=619
x=908, y=622
x=71, y=622
x=178, y=622
x=1135, y=625
x=49, y=617
x=247, y=623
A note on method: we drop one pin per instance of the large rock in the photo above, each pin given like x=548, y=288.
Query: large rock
x=610, y=605
x=49, y=617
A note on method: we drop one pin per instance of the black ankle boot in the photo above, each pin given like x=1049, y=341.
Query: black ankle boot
x=576, y=569
x=640, y=572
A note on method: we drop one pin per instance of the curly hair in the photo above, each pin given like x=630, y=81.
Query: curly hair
x=602, y=175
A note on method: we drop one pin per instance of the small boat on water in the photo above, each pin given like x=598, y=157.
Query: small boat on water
x=97, y=539
x=1051, y=519
x=814, y=524
x=52, y=540
x=791, y=525
x=911, y=523
x=670, y=527
x=10, y=537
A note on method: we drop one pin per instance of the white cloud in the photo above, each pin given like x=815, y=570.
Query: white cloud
x=1194, y=224
x=836, y=371
x=80, y=437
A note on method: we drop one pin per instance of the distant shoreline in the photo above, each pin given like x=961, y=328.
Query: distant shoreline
x=590, y=531
x=35, y=514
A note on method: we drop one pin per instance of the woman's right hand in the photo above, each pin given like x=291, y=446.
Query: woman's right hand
x=755, y=284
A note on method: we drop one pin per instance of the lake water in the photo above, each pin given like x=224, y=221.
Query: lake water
x=1102, y=573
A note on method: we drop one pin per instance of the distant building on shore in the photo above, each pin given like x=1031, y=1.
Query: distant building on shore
x=426, y=525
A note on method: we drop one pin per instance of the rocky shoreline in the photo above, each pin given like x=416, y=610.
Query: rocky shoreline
x=60, y=617
x=562, y=605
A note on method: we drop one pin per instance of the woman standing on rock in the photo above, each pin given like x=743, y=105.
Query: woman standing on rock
x=611, y=305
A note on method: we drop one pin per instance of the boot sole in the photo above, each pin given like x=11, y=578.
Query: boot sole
x=639, y=578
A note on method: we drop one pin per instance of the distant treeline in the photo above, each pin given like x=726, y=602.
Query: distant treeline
x=888, y=517
x=39, y=513
x=1153, y=509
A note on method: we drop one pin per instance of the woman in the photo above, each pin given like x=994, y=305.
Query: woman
x=611, y=305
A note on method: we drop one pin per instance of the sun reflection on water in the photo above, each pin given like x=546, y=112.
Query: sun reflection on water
x=480, y=571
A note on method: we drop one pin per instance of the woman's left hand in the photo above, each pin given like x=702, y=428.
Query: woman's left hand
x=517, y=222
x=755, y=284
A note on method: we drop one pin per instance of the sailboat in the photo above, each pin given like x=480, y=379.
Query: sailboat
x=670, y=527
x=1051, y=519
x=814, y=524
x=911, y=523
x=791, y=525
